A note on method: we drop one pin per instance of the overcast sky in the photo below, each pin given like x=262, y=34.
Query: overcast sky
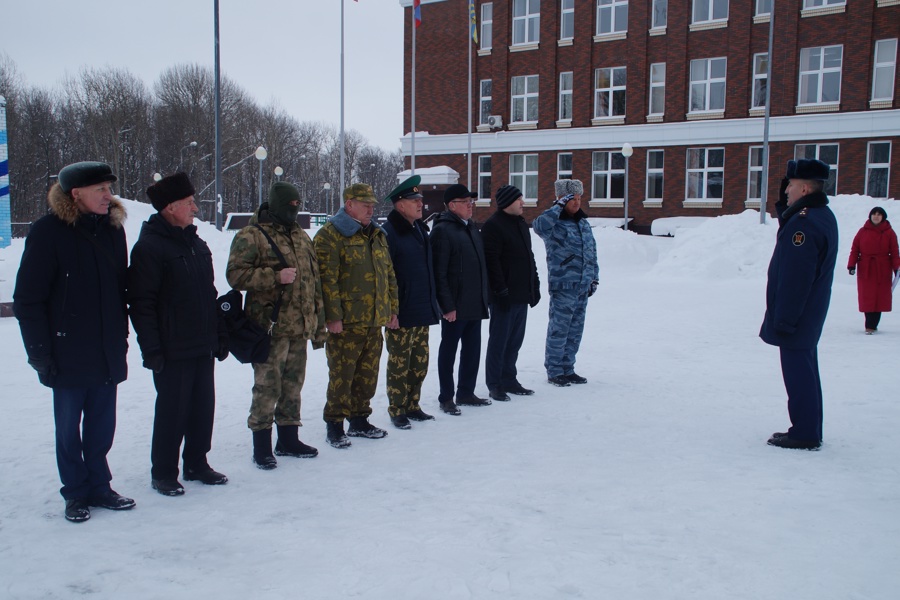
x=282, y=51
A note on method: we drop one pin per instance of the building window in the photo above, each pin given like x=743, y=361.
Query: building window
x=526, y=21
x=885, y=67
x=705, y=174
x=878, y=169
x=657, y=88
x=820, y=74
x=565, y=96
x=760, y=79
x=655, y=175
x=487, y=25
x=763, y=7
x=710, y=10
x=708, y=84
x=612, y=16
x=485, y=103
x=484, y=177
x=608, y=176
x=525, y=99
x=820, y=3
x=567, y=20
x=564, y=165
x=754, y=174
x=828, y=154
x=609, y=92
x=523, y=173
x=660, y=14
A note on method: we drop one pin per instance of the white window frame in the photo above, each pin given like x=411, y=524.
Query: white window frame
x=815, y=75
x=486, y=35
x=567, y=19
x=612, y=17
x=657, y=89
x=610, y=165
x=760, y=80
x=708, y=84
x=565, y=94
x=884, y=68
x=527, y=99
x=654, y=173
x=612, y=91
x=880, y=166
x=827, y=153
x=485, y=102
x=762, y=7
x=525, y=176
x=709, y=11
x=807, y=4
x=526, y=26
x=561, y=171
x=659, y=16
x=754, y=174
x=484, y=177
x=704, y=172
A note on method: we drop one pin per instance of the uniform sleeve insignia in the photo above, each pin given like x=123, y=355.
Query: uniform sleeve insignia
x=798, y=238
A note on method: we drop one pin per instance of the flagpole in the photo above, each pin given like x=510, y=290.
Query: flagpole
x=412, y=116
x=341, y=184
x=469, y=40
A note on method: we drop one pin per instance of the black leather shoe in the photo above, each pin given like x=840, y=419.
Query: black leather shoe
x=779, y=435
x=786, y=442
x=418, y=415
x=205, y=475
x=450, y=408
x=472, y=400
x=499, y=395
x=401, y=422
x=360, y=427
x=167, y=487
x=112, y=501
x=77, y=510
x=559, y=381
x=575, y=378
x=518, y=390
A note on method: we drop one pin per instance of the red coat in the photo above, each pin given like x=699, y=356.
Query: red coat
x=874, y=254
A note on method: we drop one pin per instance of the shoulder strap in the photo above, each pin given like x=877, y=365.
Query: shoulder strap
x=277, y=307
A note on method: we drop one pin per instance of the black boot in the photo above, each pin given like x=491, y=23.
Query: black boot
x=262, y=450
x=289, y=443
x=360, y=427
x=335, y=435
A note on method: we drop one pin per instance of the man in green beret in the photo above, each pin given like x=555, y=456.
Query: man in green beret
x=360, y=292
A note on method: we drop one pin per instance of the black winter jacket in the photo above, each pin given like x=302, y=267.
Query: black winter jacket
x=171, y=294
x=509, y=259
x=413, y=264
x=460, y=274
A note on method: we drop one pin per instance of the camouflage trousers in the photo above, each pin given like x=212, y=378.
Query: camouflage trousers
x=406, y=367
x=353, y=358
x=277, y=384
x=567, y=309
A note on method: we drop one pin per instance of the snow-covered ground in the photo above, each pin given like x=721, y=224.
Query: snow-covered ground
x=652, y=481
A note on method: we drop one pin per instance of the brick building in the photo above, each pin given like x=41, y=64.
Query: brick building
x=559, y=86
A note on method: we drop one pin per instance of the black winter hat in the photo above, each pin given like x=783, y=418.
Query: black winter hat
x=170, y=189
x=506, y=195
x=878, y=209
x=457, y=191
x=83, y=174
x=808, y=168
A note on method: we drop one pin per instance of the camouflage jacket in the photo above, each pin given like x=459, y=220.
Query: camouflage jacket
x=358, y=280
x=253, y=267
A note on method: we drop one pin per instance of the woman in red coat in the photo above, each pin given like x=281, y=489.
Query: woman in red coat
x=874, y=252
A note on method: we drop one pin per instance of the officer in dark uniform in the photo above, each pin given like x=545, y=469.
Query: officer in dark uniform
x=798, y=294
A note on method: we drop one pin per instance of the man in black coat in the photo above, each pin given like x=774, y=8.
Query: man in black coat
x=407, y=345
x=514, y=286
x=172, y=303
x=70, y=303
x=460, y=277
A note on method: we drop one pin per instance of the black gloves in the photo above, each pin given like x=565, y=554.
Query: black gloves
x=154, y=362
x=594, y=285
x=501, y=299
x=565, y=199
x=44, y=365
x=852, y=270
x=222, y=350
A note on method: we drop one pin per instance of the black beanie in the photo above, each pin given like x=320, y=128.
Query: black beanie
x=170, y=189
x=281, y=194
x=878, y=209
x=506, y=195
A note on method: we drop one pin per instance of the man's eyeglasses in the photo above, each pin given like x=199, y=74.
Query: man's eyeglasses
x=468, y=201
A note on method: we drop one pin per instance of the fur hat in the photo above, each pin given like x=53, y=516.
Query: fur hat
x=565, y=187
x=170, y=189
x=506, y=195
x=807, y=168
x=83, y=174
x=457, y=191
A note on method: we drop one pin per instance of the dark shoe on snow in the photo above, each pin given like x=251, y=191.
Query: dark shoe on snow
x=167, y=487
x=472, y=400
x=499, y=395
x=205, y=474
x=401, y=422
x=335, y=434
x=360, y=427
x=112, y=501
x=575, y=378
x=77, y=510
x=418, y=415
x=518, y=390
x=450, y=408
x=289, y=443
x=262, y=450
x=559, y=381
x=786, y=442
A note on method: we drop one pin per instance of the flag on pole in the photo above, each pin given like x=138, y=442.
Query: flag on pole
x=417, y=12
x=473, y=23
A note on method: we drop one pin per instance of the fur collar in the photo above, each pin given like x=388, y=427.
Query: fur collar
x=63, y=206
x=346, y=225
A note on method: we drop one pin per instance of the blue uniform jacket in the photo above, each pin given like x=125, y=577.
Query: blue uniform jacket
x=571, y=249
x=411, y=254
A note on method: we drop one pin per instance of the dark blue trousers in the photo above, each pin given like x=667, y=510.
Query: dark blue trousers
x=185, y=407
x=507, y=332
x=800, y=369
x=85, y=427
x=468, y=333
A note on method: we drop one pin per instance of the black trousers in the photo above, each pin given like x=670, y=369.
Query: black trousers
x=85, y=426
x=507, y=332
x=465, y=333
x=185, y=408
x=800, y=369
x=872, y=320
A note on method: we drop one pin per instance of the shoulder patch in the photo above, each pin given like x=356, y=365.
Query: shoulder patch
x=799, y=238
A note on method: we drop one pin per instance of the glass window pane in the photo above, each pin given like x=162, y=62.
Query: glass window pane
x=879, y=152
x=531, y=162
x=828, y=154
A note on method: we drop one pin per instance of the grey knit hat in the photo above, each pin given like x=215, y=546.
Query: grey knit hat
x=568, y=186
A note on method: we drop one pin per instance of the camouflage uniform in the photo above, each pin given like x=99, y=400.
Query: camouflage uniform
x=360, y=290
x=407, y=367
x=253, y=266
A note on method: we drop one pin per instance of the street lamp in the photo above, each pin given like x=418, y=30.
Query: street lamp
x=181, y=159
x=627, y=151
x=260, y=155
x=279, y=172
x=327, y=187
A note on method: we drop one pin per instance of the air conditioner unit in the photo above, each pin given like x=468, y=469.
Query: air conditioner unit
x=495, y=121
